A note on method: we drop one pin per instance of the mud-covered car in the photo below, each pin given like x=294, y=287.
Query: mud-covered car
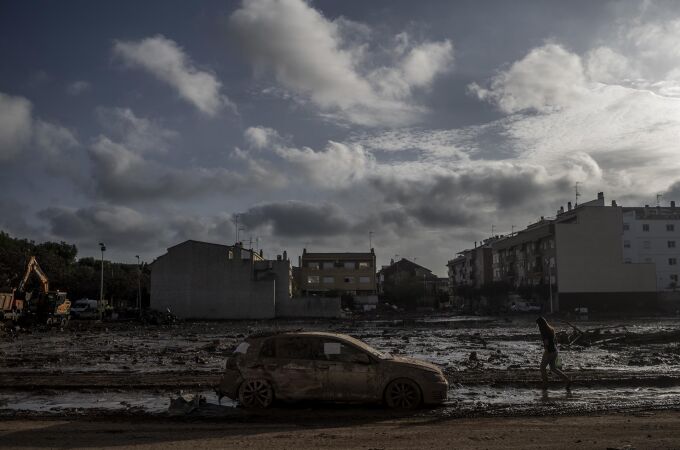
x=332, y=367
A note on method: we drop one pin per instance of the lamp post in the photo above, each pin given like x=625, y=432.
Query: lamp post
x=102, y=247
x=139, y=286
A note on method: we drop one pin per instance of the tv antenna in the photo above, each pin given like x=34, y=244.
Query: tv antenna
x=236, y=216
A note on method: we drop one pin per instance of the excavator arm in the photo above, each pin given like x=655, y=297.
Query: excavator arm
x=33, y=266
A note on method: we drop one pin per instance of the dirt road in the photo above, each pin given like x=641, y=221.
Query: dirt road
x=626, y=431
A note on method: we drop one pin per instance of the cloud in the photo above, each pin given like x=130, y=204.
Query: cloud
x=261, y=137
x=297, y=219
x=78, y=87
x=44, y=141
x=167, y=61
x=335, y=167
x=117, y=226
x=313, y=57
x=15, y=125
x=138, y=133
x=547, y=78
x=607, y=66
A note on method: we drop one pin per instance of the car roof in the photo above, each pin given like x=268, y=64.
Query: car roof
x=321, y=334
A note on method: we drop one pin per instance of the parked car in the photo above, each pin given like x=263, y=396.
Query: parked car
x=295, y=366
x=522, y=306
x=86, y=309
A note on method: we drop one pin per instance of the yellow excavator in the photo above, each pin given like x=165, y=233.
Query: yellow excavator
x=49, y=307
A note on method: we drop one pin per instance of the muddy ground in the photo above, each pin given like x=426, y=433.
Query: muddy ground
x=130, y=369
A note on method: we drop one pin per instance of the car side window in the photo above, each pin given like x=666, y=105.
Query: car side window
x=297, y=348
x=341, y=352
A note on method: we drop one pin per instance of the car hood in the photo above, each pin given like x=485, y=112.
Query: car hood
x=412, y=362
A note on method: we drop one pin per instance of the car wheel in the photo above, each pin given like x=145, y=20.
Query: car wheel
x=403, y=393
x=256, y=394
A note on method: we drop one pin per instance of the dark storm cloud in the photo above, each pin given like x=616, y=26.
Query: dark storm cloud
x=298, y=219
x=455, y=199
x=673, y=193
x=117, y=226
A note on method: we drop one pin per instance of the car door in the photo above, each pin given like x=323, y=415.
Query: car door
x=351, y=374
x=293, y=369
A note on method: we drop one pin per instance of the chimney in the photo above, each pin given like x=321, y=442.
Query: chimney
x=600, y=195
x=475, y=244
x=614, y=203
x=568, y=206
x=278, y=257
x=304, y=251
x=561, y=209
x=285, y=255
x=391, y=261
x=672, y=203
x=261, y=254
x=299, y=261
x=542, y=218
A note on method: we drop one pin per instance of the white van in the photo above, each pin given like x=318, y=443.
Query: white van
x=86, y=309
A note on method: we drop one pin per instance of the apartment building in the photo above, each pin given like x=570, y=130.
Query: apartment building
x=652, y=235
x=579, y=257
x=352, y=273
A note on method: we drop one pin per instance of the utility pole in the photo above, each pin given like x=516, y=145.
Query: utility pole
x=139, y=286
x=102, y=247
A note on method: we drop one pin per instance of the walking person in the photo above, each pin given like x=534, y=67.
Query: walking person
x=549, y=353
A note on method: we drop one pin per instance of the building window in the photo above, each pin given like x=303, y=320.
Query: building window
x=626, y=227
x=552, y=243
x=674, y=277
x=645, y=227
x=670, y=227
x=349, y=265
x=672, y=261
x=328, y=280
x=313, y=265
x=349, y=279
x=646, y=244
x=627, y=261
x=626, y=244
x=364, y=265
x=364, y=280
x=328, y=264
x=671, y=244
x=313, y=279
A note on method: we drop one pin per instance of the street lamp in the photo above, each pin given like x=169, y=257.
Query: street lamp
x=139, y=286
x=102, y=247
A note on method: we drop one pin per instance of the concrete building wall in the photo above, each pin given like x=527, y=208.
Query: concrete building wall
x=589, y=255
x=199, y=280
x=314, y=307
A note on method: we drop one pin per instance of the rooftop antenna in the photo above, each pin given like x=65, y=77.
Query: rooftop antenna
x=370, y=240
x=578, y=194
x=658, y=199
x=236, y=216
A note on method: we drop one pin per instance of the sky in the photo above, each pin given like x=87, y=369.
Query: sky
x=416, y=127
